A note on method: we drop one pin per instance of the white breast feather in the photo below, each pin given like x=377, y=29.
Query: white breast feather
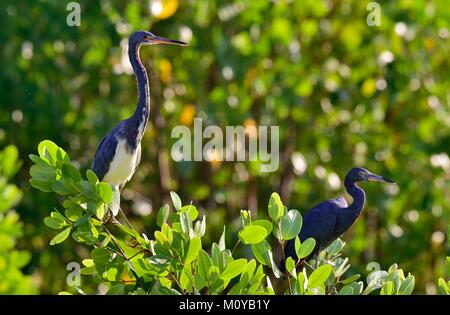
x=123, y=165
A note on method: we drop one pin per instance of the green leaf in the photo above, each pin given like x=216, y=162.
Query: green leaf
x=200, y=227
x=222, y=240
x=105, y=192
x=297, y=244
x=130, y=231
x=9, y=162
x=247, y=273
x=252, y=234
x=343, y=267
x=117, y=289
x=60, y=237
x=300, y=283
x=388, y=288
x=41, y=185
x=186, y=222
x=245, y=217
x=92, y=177
x=74, y=212
x=291, y=223
x=167, y=232
x=64, y=187
x=306, y=248
x=192, y=210
x=260, y=251
x=319, y=276
x=82, y=220
x=233, y=269
x=88, y=189
x=43, y=173
x=290, y=264
x=176, y=200
x=203, y=265
x=275, y=269
x=346, y=290
x=335, y=247
x=276, y=208
x=407, y=286
x=163, y=215
x=100, y=212
x=351, y=279
x=54, y=223
x=37, y=160
x=186, y=279
x=216, y=255
x=48, y=150
x=265, y=224
x=195, y=244
x=70, y=171
x=443, y=287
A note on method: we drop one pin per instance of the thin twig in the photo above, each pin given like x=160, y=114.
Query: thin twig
x=285, y=268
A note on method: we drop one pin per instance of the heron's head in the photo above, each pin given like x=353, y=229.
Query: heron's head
x=147, y=38
x=359, y=174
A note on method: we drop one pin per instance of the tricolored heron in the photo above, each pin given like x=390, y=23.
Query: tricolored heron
x=119, y=152
x=330, y=219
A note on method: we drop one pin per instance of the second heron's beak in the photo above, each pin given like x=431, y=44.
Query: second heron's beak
x=162, y=40
x=377, y=178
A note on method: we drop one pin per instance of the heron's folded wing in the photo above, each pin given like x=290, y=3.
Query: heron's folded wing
x=104, y=155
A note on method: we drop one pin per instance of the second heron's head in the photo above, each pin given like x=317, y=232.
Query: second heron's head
x=147, y=38
x=358, y=174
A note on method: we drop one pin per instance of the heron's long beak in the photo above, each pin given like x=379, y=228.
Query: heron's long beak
x=162, y=40
x=377, y=178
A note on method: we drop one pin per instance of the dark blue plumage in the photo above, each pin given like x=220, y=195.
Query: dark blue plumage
x=330, y=219
x=119, y=152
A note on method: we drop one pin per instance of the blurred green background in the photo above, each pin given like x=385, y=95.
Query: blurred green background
x=343, y=93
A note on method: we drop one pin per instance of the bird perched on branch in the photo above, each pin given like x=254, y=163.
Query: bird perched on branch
x=119, y=152
x=330, y=219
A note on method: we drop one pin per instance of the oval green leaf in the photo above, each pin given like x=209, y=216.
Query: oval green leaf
x=252, y=234
x=291, y=223
x=319, y=276
x=60, y=237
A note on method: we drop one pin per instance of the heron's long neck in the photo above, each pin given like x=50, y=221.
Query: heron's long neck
x=359, y=198
x=140, y=116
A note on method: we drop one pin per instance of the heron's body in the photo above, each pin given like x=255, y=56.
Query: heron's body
x=330, y=219
x=119, y=152
x=123, y=165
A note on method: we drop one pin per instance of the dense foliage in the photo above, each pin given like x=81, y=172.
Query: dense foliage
x=12, y=281
x=174, y=261
x=343, y=94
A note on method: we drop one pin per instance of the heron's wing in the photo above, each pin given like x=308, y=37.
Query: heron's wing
x=104, y=155
x=319, y=223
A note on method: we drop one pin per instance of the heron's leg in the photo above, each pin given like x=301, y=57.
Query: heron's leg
x=317, y=258
x=307, y=264
x=115, y=203
x=120, y=209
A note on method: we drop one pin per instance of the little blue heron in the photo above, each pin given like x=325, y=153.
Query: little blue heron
x=330, y=219
x=119, y=152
